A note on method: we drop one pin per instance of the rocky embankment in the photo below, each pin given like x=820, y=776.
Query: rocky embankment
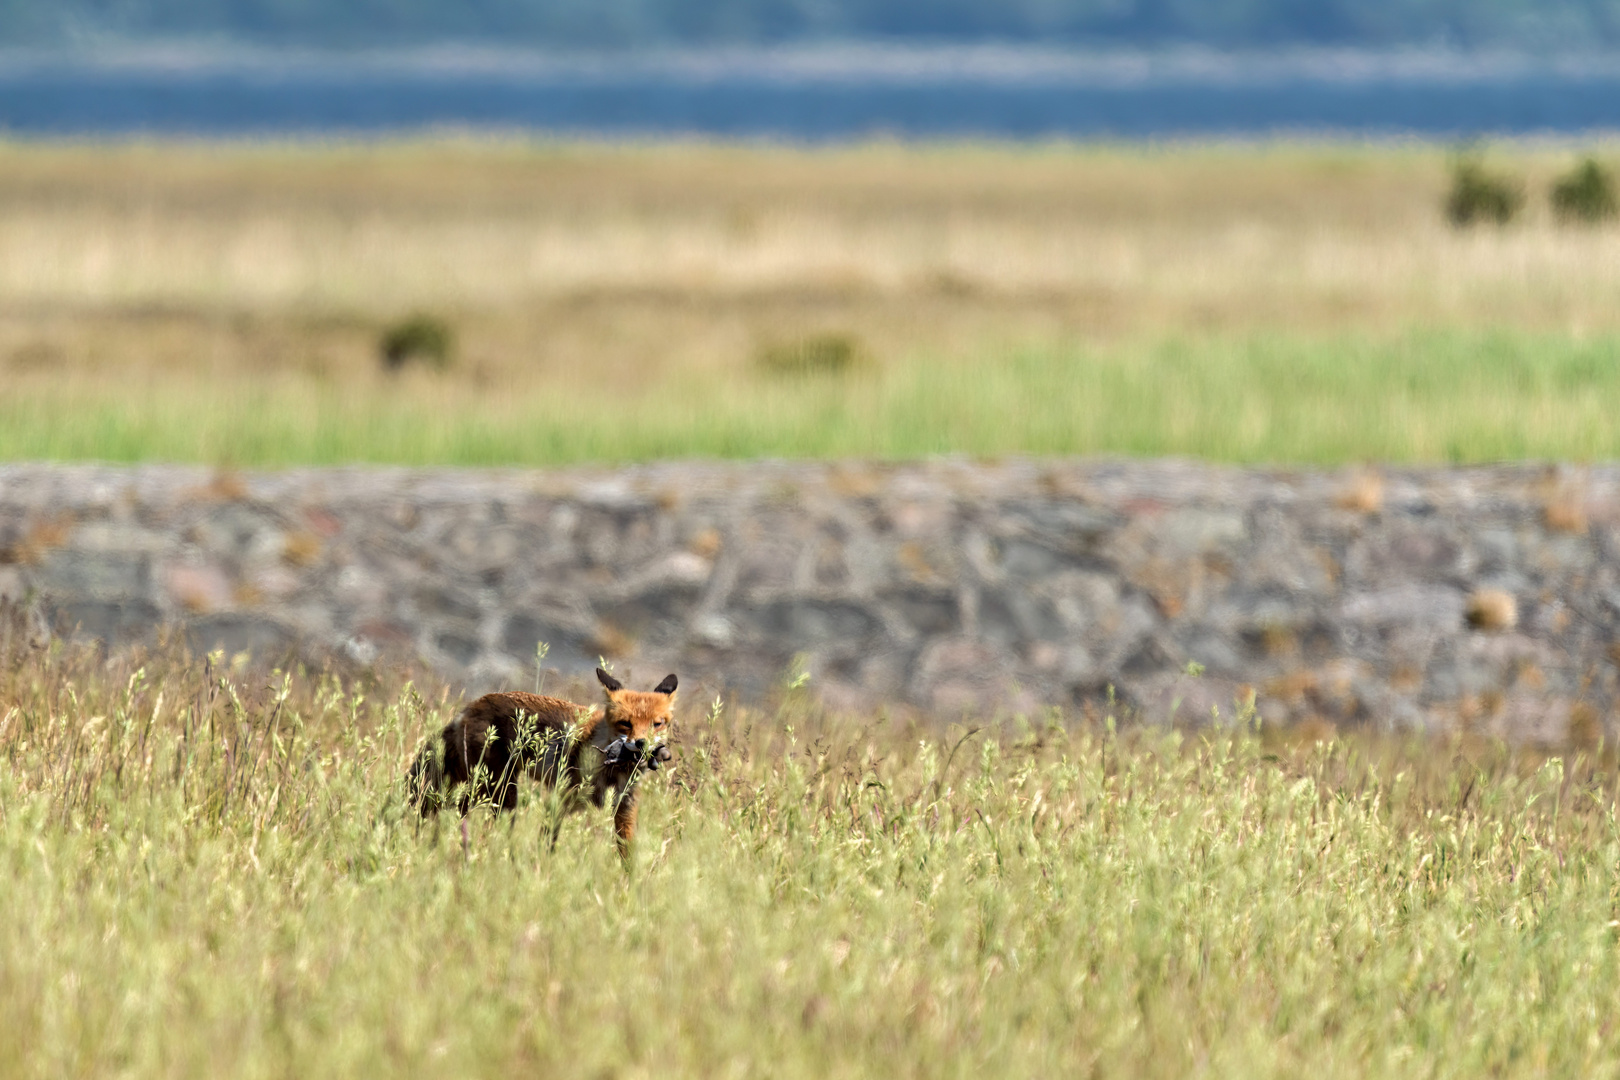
x=1486, y=598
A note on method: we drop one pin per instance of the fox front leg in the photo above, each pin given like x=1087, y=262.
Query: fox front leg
x=624, y=822
x=563, y=798
x=556, y=830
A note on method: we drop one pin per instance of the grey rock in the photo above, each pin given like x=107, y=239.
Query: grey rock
x=1182, y=699
x=567, y=649
x=239, y=633
x=809, y=623
x=99, y=575
x=1195, y=531
x=945, y=586
x=1407, y=605
x=13, y=590
x=460, y=645
x=113, y=621
x=925, y=612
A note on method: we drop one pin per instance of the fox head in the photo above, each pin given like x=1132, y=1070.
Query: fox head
x=640, y=718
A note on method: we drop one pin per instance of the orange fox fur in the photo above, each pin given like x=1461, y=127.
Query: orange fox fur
x=582, y=753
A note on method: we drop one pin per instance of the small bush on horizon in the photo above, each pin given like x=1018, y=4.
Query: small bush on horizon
x=814, y=354
x=1585, y=195
x=1477, y=195
x=417, y=337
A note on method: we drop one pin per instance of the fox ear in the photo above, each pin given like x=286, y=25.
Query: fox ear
x=665, y=687
x=608, y=681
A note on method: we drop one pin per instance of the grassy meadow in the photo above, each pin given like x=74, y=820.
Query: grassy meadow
x=223, y=303
x=209, y=867
x=210, y=870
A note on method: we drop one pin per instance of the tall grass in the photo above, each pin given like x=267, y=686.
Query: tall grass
x=209, y=871
x=1430, y=396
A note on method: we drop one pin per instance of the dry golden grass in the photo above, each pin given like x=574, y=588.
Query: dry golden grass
x=196, y=254
x=212, y=870
x=567, y=270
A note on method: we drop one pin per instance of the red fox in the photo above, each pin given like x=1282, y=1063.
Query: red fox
x=560, y=744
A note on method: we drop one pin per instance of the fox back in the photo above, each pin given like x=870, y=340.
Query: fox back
x=582, y=751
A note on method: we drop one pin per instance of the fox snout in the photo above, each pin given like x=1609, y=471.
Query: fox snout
x=653, y=756
x=627, y=750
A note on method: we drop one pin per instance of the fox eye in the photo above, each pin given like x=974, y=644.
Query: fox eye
x=659, y=723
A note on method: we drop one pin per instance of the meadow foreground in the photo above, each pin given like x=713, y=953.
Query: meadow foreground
x=213, y=869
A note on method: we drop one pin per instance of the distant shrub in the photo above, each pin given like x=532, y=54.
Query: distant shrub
x=418, y=337
x=1585, y=194
x=815, y=354
x=1477, y=195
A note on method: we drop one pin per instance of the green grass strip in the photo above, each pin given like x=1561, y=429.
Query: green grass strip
x=1433, y=396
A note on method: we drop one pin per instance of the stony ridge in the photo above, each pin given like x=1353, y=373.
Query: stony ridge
x=1486, y=598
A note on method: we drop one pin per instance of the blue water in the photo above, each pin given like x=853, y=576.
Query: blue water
x=90, y=101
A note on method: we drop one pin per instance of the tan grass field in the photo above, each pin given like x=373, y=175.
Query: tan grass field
x=211, y=870
x=189, y=276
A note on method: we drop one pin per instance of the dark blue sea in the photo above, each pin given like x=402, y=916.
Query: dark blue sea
x=808, y=102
